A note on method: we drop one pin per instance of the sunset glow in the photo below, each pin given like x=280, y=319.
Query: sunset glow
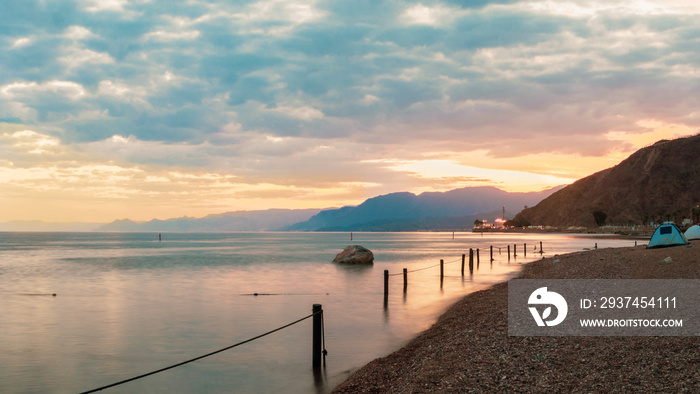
x=147, y=109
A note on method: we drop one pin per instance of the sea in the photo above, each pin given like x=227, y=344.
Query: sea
x=80, y=311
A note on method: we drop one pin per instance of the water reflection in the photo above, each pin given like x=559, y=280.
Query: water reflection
x=354, y=269
x=320, y=379
x=125, y=305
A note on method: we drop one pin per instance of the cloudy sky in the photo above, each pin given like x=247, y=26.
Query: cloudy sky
x=155, y=109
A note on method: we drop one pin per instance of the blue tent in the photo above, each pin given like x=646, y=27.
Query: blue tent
x=667, y=234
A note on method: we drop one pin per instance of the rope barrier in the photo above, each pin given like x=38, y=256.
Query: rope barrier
x=425, y=268
x=203, y=356
x=418, y=269
x=436, y=265
x=282, y=294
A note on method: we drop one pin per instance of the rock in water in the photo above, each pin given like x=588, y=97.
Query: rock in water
x=354, y=254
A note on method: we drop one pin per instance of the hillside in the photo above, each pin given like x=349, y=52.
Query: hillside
x=657, y=183
x=432, y=210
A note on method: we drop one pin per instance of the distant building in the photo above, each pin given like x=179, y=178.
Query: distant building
x=483, y=223
x=499, y=224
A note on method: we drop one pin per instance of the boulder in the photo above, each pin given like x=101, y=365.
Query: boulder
x=354, y=254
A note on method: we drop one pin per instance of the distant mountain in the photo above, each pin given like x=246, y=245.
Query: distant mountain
x=40, y=226
x=402, y=211
x=460, y=223
x=657, y=183
x=454, y=210
x=267, y=220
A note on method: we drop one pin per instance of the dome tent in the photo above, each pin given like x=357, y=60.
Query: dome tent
x=693, y=232
x=667, y=234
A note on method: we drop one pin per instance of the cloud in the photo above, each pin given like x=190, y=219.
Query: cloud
x=420, y=14
x=105, y=5
x=75, y=57
x=22, y=41
x=78, y=33
x=317, y=95
x=161, y=35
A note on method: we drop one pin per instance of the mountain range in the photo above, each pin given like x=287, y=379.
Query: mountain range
x=270, y=219
x=456, y=209
x=657, y=183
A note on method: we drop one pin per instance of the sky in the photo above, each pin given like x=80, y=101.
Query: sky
x=145, y=109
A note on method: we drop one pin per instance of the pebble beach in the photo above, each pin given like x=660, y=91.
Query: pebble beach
x=468, y=349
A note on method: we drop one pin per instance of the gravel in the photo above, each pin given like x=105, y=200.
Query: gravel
x=468, y=349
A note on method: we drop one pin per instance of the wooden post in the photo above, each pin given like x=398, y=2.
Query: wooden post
x=477, y=258
x=541, y=247
x=525, y=250
x=491, y=254
x=386, y=282
x=515, y=246
x=471, y=260
x=405, y=279
x=508, y=252
x=463, y=264
x=386, y=289
x=317, y=346
x=442, y=269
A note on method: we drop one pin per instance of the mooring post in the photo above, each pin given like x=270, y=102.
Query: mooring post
x=463, y=264
x=508, y=252
x=317, y=346
x=471, y=260
x=442, y=269
x=541, y=247
x=491, y=254
x=477, y=258
x=386, y=282
x=405, y=279
x=515, y=246
x=525, y=250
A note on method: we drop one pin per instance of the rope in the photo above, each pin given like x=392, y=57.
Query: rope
x=200, y=357
x=453, y=261
x=425, y=268
x=282, y=294
x=445, y=262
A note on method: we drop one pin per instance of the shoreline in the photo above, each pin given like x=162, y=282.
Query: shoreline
x=642, y=233
x=468, y=349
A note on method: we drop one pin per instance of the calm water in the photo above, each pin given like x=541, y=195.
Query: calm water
x=127, y=304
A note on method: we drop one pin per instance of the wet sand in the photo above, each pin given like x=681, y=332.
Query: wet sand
x=468, y=349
